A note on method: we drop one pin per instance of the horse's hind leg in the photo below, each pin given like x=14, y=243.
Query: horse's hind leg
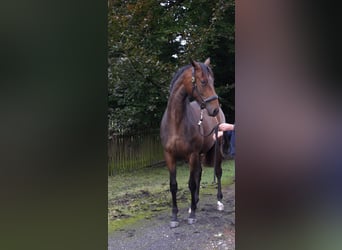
x=171, y=164
x=213, y=157
x=218, y=173
x=194, y=185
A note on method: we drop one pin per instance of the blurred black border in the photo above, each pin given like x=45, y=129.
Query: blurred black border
x=53, y=102
x=288, y=138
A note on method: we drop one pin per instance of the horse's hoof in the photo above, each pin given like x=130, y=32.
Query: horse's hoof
x=220, y=206
x=192, y=221
x=174, y=224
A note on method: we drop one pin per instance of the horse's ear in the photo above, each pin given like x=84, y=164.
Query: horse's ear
x=207, y=62
x=194, y=63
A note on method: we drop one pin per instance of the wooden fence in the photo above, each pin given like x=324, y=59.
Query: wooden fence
x=126, y=153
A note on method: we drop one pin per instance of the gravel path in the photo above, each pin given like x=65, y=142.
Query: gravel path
x=213, y=230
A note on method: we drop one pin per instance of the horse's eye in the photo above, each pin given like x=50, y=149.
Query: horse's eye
x=203, y=82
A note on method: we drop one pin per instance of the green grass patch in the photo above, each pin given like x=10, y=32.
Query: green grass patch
x=140, y=194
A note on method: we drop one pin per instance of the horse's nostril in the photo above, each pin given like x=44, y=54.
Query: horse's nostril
x=215, y=112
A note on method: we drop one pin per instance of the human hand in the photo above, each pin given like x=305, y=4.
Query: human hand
x=219, y=134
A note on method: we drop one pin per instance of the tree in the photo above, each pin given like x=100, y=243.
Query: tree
x=148, y=40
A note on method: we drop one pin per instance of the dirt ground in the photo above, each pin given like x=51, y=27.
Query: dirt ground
x=213, y=230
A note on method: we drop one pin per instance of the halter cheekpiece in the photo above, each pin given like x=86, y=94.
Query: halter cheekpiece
x=194, y=87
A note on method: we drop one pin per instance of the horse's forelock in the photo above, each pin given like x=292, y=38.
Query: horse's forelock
x=206, y=69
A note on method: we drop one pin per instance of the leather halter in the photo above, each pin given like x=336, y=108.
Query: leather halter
x=194, y=87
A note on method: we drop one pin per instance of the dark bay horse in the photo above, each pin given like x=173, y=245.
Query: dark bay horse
x=186, y=130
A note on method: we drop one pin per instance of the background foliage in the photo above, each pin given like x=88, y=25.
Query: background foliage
x=149, y=40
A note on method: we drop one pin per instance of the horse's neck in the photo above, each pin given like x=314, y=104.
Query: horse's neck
x=178, y=104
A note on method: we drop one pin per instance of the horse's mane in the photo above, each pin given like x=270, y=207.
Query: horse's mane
x=177, y=75
x=180, y=72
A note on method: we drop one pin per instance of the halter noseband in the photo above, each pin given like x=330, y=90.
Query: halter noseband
x=194, y=87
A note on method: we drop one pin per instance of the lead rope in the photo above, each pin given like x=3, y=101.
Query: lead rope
x=216, y=128
x=201, y=118
x=200, y=123
x=216, y=148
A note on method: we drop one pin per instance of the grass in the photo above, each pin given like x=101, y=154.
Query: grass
x=140, y=194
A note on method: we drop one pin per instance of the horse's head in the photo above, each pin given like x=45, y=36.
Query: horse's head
x=202, y=87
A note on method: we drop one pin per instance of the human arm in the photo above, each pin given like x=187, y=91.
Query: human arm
x=226, y=126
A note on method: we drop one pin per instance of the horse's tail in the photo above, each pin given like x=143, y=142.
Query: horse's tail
x=223, y=148
x=209, y=157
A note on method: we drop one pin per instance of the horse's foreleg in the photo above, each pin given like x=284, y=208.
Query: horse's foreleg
x=171, y=164
x=194, y=185
x=173, y=189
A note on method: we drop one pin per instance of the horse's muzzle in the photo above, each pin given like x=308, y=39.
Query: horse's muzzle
x=204, y=103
